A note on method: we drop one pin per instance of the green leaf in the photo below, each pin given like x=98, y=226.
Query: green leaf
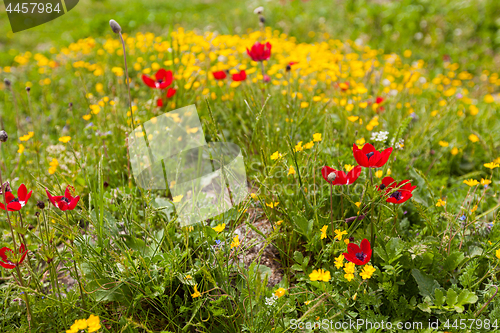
x=298, y=257
x=452, y=261
x=466, y=297
x=451, y=297
x=426, y=284
x=438, y=297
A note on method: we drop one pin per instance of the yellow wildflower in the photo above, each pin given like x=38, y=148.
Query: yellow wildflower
x=280, y=292
x=454, y=151
x=323, y=231
x=379, y=173
x=485, y=182
x=219, y=228
x=64, y=139
x=360, y=143
x=317, y=137
x=291, y=171
x=473, y=209
x=178, y=198
x=348, y=167
x=235, y=242
x=196, y=292
x=276, y=155
x=471, y=182
x=498, y=253
x=443, y=144
x=299, y=147
x=320, y=275
x=441, y=203
x=339, y=234
x=21, y=148
x=272, y=204
x=309, y=145
x=339, y=261
x=367, y=272
x=93, y=323
x=491, y=165
x=473, y=138
x=349, y=271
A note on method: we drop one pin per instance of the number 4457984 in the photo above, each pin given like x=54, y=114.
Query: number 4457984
x=472, y=324
x=33, y=7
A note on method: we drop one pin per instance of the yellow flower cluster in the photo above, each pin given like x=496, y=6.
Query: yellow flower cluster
x=92, y=324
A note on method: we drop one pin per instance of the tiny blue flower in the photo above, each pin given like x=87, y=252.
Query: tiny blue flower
x=217, y=241
x=462, y=218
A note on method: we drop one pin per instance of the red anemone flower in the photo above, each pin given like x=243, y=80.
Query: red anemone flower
x=13, y=203
x=402, y=193
x=359, y=255
x=7, y=262
x=66, y=202
x=369, y=157
x=220, y=75
x=170, y=93
x=241, y=76
x=162, y=79
x=340, y=176
x=379, y=100
x=260, y=52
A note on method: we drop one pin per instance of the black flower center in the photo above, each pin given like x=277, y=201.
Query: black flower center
x=382, y=186
x=361, y=256
x=370, y=154
x=159, y=80
x=65, y=199
x=15, y=200
x=397, y=195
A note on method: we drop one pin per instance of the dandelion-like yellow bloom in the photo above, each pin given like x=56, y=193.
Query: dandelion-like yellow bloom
x=196, y=292
x=454, y=151
x=317, y=137
x=272, y=204
x=379, y=173
x=323, y=231
x=473, y=209
x=367, y=272
x=352, y=118
x=291, y=171
x=485, y=182
x=93, y=323
x=299, y=147
x=276, y=155
x=280, y=292
x=320, y=275
x=219, y=228
x=348, y=167
x=360, y=143
x=473, y=138
x=339, y=234
x=177, y=198
x=64, y=139
x=498, y=253
x=471, y=182
x=309, y=145
x=339, y=261
x=235, y=242
x=492, y=165
x=443, y=144
x=349, y=271
x=21, y=148
x=440, y=203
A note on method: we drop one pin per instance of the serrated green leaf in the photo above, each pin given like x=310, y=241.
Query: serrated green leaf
x=466, y=297
x=438, y=297
x=426, y=284
x=451, y=297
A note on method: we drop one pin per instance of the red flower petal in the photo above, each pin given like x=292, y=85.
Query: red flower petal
x=171, y=92
x=385, y=156
x=67, y=193
x=148, y=81
x=73, y=203
x=353, y=175
x=159, y=103
x=9, y=196
x=14, y=206
x=3, y=256
x=21, y=192
x=7, y=266
x=220, y=75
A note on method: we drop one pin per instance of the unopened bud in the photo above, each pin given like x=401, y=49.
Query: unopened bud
x=331, y=176
x=28, y=89
x=288, y=67
x=3, y=136
x=31, y=227
x=262, y=19
x=40, y=204
x=115, y=26
x=7, y=82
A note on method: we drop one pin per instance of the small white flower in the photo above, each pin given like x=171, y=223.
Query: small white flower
x=271, y=300
x=379, y=136
x=258, y=10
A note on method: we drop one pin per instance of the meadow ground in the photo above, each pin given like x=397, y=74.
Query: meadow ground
x=369, y=132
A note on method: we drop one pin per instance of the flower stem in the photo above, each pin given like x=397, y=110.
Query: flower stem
x=331, y=207
x=76, y=273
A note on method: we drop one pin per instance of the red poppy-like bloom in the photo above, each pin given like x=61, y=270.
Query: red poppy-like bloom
x=369, y=157
x=170, y=93
x=403, y=192
x=13, y=203
x=241, y=76
x=340, y=176
x=379, y=100
x=7, y=262
x=359, y=255
x=220, y=75
x=260, y=52
x=64, y=202
x=162, y=79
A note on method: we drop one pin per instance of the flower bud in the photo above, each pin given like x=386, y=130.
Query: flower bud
x=7, y=82
x=40, y=204
x=262, y=20
x=331, y=176
x=28, y=89
x=3, y=136
x=115, y=26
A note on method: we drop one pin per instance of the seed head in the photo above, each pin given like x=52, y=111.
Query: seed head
x=115, y=26
x=3, y=136
x=40, y=204
x=262, y=19
x=7, y=82
x=28, y=89
x=331, y=176
x=258, y=10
